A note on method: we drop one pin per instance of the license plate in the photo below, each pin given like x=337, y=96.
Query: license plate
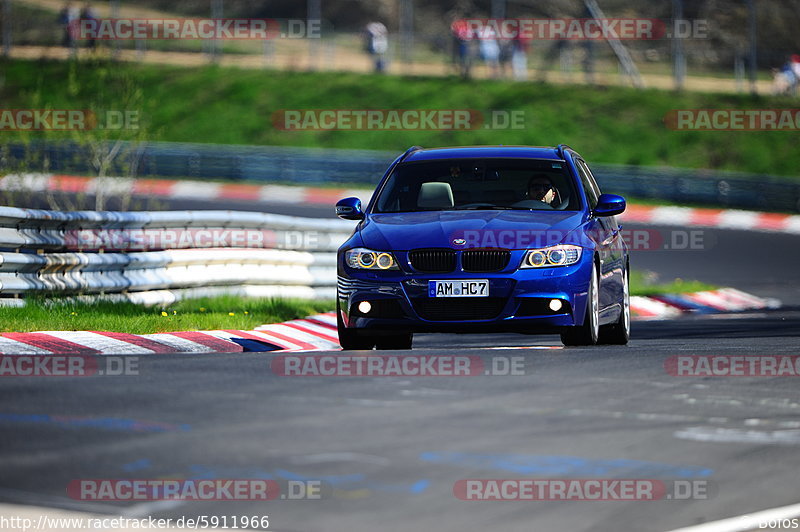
x=467, y=288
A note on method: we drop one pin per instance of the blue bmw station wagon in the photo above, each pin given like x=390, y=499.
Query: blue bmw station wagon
x=484, y=239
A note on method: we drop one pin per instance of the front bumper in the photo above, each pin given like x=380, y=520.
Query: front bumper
x=518, y=300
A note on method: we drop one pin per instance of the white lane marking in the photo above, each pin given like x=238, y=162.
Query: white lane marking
x=734, y=219
x=117, y=186
x=281, y=194
x=744, y=523
x=726, y=435
x=104, y=344
x=792, y=225
x=39, y=500
x=671, y=215
x=147, y=509
x=195, y=190
x=652, y=307
x=12, y=347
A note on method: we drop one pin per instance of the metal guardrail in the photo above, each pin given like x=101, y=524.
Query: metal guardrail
x=330, y=166
x=158, y=257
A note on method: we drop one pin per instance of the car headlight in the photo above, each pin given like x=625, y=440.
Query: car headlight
x=563, y=255
x=366, y=259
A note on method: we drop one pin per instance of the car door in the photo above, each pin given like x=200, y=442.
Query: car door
x=609, y=242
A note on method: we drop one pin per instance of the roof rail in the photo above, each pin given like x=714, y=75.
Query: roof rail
x=409, y=151
x=560, y=149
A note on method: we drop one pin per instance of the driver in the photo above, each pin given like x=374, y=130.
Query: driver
x=540, y=188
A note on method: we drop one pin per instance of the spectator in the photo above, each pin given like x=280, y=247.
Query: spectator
x=795, y=65
x=88, y=14
x=68, y=19
x=376, y=43
x=519, y=57
x=506, y=54
x=462, y=37
x=490, y=50
x=786, y=80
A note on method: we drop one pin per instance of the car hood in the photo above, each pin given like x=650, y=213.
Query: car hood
x=405, y=231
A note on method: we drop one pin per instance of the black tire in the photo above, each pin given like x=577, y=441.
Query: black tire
x=349, y=339
x=620, y=332
x=394, y=341
x=588, y=333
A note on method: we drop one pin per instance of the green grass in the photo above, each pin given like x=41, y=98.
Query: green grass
x=642, y=284
x=234, y=106
x=226, y=312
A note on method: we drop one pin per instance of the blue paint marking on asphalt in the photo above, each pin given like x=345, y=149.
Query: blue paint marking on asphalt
x=103, y=423
x=137, y=465
x=420, y=486
x=568, y=466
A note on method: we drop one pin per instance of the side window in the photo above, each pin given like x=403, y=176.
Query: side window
x=592, y=180
x=589, y=185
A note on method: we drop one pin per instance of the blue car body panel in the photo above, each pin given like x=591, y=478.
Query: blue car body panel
x=400, y=297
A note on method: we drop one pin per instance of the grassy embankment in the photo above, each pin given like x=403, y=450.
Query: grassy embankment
x=224, y=312
x=236, y=106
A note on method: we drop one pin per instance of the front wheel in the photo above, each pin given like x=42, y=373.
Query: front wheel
x=620, y=332
x=587, y=333
x=349, y=339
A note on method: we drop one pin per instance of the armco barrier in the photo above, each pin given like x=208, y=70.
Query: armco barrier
x=152, y=257
x=306, y=166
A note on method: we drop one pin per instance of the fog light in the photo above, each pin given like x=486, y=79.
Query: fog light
x=364, y=307
x=555, y=305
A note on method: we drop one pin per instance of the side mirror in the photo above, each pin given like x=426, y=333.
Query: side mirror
x=609, y=205
x=349, y=209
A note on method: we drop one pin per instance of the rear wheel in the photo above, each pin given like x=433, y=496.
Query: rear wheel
x=620, y=332
x=349, y=339
x=587, y=333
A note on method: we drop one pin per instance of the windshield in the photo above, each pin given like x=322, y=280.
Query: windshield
x=477, y=184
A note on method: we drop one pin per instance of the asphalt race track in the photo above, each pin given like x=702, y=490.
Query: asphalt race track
x=388, y=450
